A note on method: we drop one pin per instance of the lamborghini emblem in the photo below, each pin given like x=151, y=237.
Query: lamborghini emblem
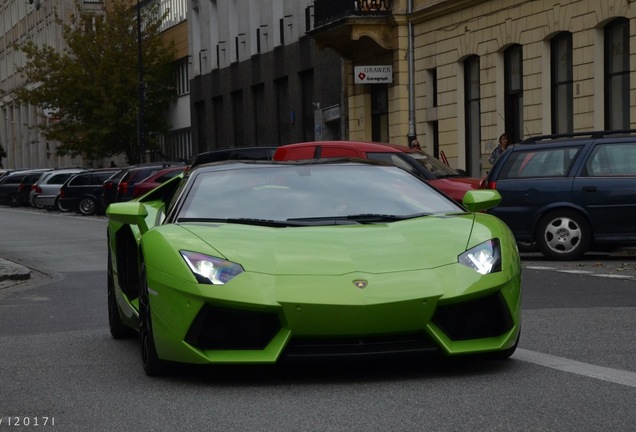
x=362, y=284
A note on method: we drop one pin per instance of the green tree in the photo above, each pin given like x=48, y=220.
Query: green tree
x=92, y=87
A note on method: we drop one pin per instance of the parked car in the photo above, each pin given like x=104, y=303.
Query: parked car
x=46, y=190
x=235, y=153
x=217, y=266
x=16, y=186
x=121, y=185
x=126, y=186
x=569, y=193
x=160, y=177
x=450, y=181
x=82, y=193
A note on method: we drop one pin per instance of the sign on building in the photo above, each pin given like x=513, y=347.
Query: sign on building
x=380, y=74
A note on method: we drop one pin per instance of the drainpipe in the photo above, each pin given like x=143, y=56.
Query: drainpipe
x=411, y=73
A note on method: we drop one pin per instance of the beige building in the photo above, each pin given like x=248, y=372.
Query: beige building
x=465, y=71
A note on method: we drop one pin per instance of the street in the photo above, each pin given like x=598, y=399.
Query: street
x=575, y=369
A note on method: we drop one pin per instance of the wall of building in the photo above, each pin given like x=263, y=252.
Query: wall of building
x=447, y=32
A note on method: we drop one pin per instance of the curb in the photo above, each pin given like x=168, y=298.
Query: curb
x=13, y=271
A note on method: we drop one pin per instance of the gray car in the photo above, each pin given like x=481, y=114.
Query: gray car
x=46, y=190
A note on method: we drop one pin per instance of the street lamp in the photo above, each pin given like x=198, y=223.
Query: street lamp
x=140, y=66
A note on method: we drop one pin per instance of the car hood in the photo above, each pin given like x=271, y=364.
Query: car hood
x=415, y=244
x=456, y=187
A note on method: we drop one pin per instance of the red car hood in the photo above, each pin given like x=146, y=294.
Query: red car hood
x=455, y=187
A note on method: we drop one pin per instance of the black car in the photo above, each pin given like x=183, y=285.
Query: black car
x=83, y=192
x=569, y=193
x=235, y=153
x=16, y=186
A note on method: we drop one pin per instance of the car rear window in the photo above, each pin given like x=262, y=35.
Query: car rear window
x=551, y=162
x=612, y=159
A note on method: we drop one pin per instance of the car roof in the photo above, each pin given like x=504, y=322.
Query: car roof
x=359, y=145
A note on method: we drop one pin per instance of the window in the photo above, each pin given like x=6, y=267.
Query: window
x=617, y=74
x=616, y=159
x=541, y=163
x=380, y=112
x=237, y=118
x=513, y=88
x=561, y=73
x=472, y=109
x=182, y=78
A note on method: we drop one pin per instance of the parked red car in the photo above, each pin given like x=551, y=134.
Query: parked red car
x=448, y=180
x=151, y=182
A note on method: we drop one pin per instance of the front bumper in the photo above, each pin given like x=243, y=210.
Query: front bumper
x=260, y=318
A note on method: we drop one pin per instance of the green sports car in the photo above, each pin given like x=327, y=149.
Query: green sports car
x=260, y=262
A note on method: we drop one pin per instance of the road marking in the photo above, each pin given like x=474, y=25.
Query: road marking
x=615, y=376
x=582, y=272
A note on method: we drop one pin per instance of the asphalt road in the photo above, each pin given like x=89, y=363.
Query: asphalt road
x=575, y=369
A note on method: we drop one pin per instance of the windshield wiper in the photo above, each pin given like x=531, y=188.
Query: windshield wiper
x=376, y=217
x=243, y=221
x=357, y=218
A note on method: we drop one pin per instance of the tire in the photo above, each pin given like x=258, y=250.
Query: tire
x=58, y=205
x=13, y=200
x=87, y=206
x=563, y=235
x=527, y=247
x=153, y=366
x=118, y=329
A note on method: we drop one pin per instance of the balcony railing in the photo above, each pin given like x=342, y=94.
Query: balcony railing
x=328, y=11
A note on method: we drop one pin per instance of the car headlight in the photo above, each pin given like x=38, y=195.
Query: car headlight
x=211, y=270
x=484, y=258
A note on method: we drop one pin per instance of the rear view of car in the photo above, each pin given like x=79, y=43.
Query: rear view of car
x=569, y=193
x=46, y=191
x=82, y=193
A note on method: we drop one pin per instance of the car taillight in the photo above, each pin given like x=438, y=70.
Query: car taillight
x=491, y=185
x=62, y=193
x=122, y=187
x=37, y=189
x=108, y=185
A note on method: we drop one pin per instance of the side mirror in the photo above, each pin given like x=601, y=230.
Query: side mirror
x=129, y=213
x=480, y=200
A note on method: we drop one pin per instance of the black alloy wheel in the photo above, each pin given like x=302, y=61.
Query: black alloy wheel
x=13, y=200
x=87, y=206
x=153, y=366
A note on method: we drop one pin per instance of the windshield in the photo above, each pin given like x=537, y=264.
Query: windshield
x=433, y=165
x=291, y=192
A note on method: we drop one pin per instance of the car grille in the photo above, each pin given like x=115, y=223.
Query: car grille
x=474, y=319
x=232, y=329
x=317, y=348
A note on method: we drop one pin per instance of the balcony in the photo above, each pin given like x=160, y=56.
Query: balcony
x=343, y=24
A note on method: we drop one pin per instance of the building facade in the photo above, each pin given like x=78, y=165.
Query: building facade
x=258, y=79
x=36, y=20
x=465, y=71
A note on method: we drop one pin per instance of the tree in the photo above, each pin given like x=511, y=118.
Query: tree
x=92, y=87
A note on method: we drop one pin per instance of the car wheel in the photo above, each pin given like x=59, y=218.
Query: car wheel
x=153, y=366
x=87, y=206
x=58, y=205
x=563, y=235
x=527, y=247
x=13, y=200
x=118, y=329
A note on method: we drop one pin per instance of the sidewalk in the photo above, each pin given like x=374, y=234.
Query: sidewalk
x=13, y=271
